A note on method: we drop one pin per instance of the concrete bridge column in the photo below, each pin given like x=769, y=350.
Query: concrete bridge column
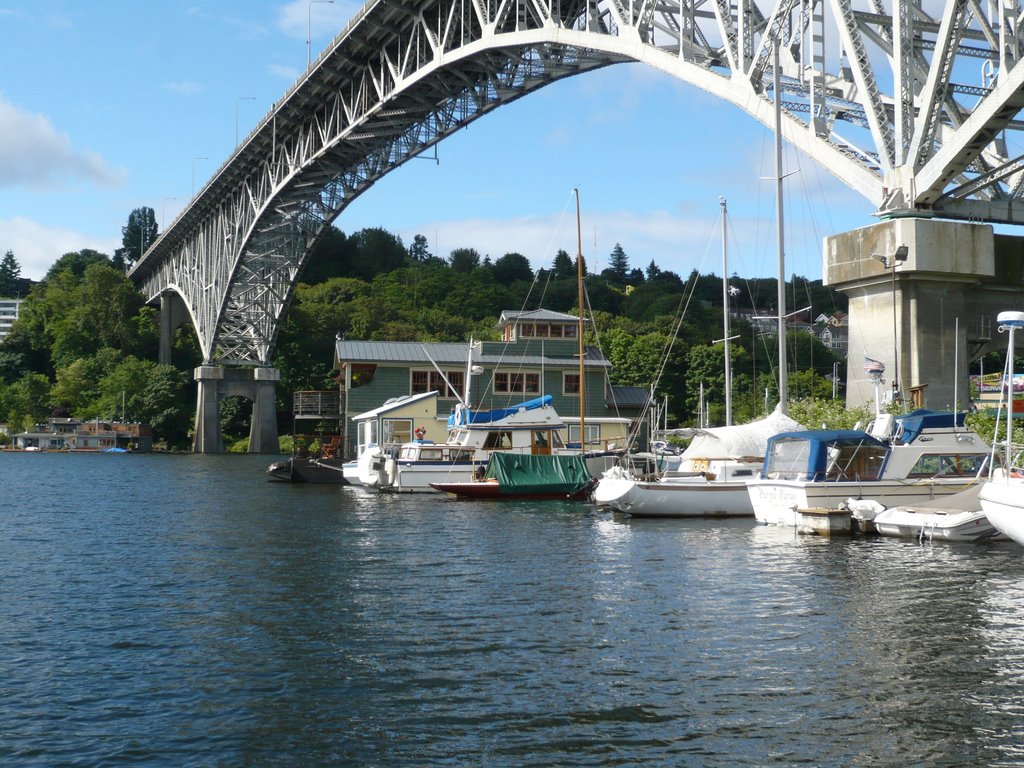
x=919, y=291
x=207, y=437
x=256, y=384
x=172, y=314
x=263, y=437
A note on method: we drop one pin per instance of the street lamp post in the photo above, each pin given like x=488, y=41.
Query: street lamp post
x=891, y=262
x=194, y=173
x=163, y=211
x=309, y=29
x=237, y=102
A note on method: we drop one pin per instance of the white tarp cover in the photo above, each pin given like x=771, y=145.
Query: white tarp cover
x=740, y=440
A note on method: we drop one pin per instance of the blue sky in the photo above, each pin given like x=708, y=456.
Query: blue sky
x=108, y=106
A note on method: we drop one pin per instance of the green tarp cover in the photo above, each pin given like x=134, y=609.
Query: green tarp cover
x=525, y=474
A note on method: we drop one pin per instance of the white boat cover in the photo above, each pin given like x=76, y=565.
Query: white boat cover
x=961, y=501
x=740, y=440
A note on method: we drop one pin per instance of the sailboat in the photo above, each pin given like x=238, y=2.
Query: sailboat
x=711, y=479
x=551, y=476
x=1002, y=496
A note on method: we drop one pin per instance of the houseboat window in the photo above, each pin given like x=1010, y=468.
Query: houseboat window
x=542, y=330
x=570, y=383
x=498, y=440
x=526, y=330
x=517, y=383
x=569, y=331
x=948, y=465
x=427, y=381
x=397, y=430
x=556, y=332
x=366, y=432
x=593, y=434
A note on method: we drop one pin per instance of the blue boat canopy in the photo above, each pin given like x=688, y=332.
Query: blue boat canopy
x=810, y=454
x=464, y=416
x=916, y=421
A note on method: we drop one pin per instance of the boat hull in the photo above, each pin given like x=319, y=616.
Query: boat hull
x=944, y=526
x=485, y=489
x=297, y=470
x=1002, y=501
x=776, y=502
x=696, y=497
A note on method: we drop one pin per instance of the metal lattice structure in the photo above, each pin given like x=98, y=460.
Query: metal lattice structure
x=928, y=103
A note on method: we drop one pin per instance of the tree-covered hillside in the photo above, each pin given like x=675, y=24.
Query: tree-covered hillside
x=86, y=345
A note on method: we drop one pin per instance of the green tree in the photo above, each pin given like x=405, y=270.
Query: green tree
x=136, y=236
x=419, y=249
x=464, y=259
x=10, y=276
x=563, y=266
x=512, y=267
x=618, y=263
x=28, y=401
x=76, y=263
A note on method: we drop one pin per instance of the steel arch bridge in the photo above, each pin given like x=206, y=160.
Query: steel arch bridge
x=916, y=108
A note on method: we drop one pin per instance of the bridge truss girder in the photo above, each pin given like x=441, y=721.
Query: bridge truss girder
x=404, y=75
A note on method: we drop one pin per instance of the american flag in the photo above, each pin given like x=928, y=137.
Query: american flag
x=873, y=366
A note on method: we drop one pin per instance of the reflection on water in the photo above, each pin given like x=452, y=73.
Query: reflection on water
x=180, y=610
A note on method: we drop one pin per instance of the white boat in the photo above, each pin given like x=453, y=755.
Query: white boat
x=957, y=517
x=1002, y=497
x=711, y=480
x=910, y=459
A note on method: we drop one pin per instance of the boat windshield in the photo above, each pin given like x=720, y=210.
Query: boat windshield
x=949, y=465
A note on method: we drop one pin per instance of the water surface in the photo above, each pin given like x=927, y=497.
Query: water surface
x=179, y=610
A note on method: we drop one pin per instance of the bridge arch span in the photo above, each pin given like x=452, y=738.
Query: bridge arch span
x=405, y=75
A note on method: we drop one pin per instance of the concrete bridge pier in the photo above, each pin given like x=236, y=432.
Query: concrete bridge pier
x=257, y=384
x=173, y=313
x=923, y=296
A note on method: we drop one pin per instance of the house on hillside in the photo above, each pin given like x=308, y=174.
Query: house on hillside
x=538, y=355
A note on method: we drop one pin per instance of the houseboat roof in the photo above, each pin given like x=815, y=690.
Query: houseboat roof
x=393, y=403
x=445, y=353
x=544, y=315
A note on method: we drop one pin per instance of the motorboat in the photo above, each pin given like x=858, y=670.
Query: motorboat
x=1002, y=496
x=525, y=476
x=711, y=480
x=957, y=517
x=910, y=459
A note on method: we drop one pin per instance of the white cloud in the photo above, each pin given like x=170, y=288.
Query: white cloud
x=33, y=153
x=37, y=246
x=185, y=87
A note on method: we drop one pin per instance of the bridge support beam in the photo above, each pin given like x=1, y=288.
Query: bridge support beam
x=923, y=299
x=217, y=382
x=172, y=314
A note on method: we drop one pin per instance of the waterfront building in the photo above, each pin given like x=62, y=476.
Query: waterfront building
x=63, y=434
x=538, y=355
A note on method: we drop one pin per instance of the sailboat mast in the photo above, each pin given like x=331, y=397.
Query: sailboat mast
x=725, y=318
x=783, y=372
x=579, y=331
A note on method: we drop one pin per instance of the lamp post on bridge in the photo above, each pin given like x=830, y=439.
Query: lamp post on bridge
x=309, y=29
x=194, y=173
x=237, y=102
x=163, y=212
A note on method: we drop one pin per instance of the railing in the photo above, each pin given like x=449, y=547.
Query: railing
x=317, y=403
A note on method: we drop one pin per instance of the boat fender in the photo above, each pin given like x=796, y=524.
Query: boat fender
x=370, y=466
x=390, y=473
